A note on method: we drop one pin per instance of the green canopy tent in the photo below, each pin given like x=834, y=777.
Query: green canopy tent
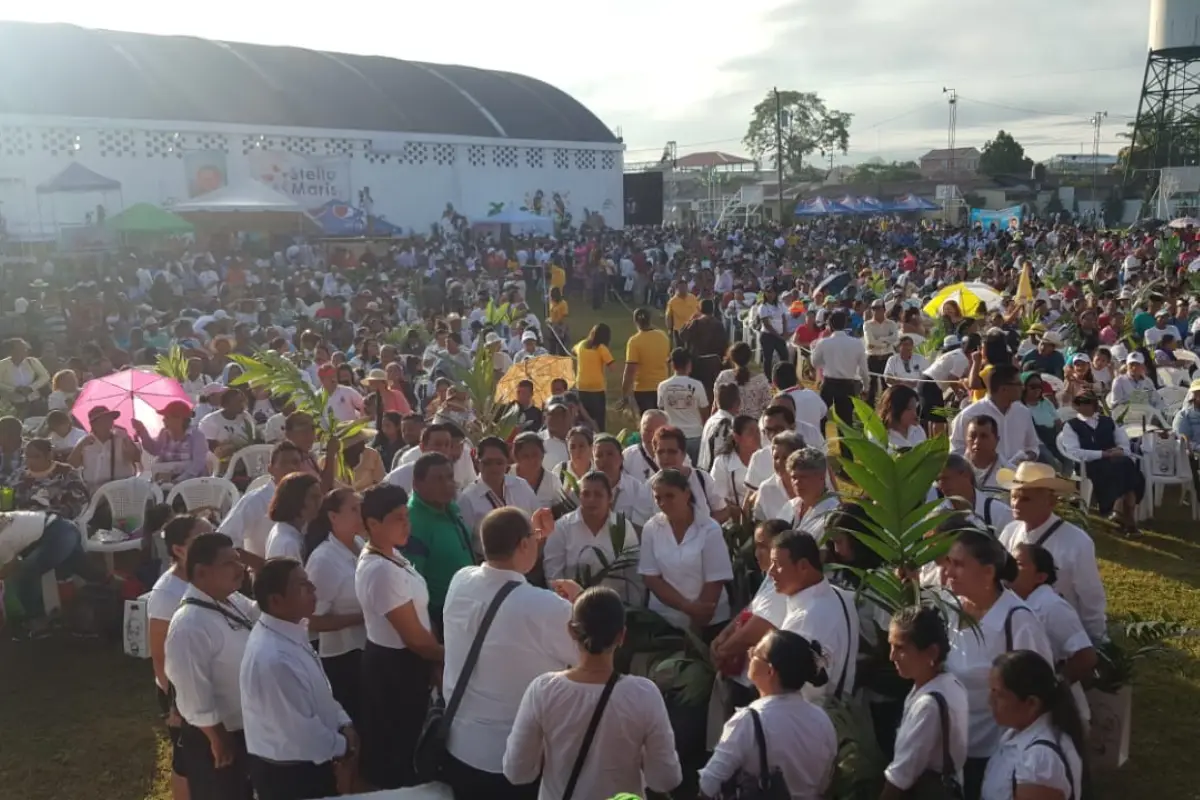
x=145, y=219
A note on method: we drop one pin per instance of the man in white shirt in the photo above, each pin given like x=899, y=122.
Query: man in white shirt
x=770, y=322
x=816, y=610
x=638, y=459
x=1034, y=490
x=107, y=453
x=247, y=524
x=882, y=335
x=810, y=410
x=1134, y=387
x=685, y=402
x=528, y=638
x=957, y=484
x=296, y=732
x=718, y=427
x=228, y=426
x=1018, y=437
x=554, y=434
x=842, y=360
x=203, y=659
x=435, y=438
x=345, y=402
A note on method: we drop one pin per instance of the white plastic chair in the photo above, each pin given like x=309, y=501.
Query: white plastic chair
x=218, y=494
x=127, y=500
x=1067, y=413
x=1136, y=417
x=1085, y=483
x=1173, y=399
x=256, y=458
x=1165, y=462
x=1173, y=376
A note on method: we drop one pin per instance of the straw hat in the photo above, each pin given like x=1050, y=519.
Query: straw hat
x=376, y=375
x=1032, y=475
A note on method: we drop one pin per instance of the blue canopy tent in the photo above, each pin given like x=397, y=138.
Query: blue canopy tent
x=853, y=203
x=874, y=205
x=910, y=202
x=821, y=206
x=338, y=219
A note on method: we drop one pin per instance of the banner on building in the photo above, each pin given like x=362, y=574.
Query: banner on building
x=206, y=171
x=1009, y=218
x=312, y=181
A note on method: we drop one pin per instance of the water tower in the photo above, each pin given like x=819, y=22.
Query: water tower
x=1167, y=129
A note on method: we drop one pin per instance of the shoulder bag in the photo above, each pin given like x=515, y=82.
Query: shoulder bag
x=768, y=784
x=942, y=785
x=589, y=736
x=429, y=758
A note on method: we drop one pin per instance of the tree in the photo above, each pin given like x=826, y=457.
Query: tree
x=1004, y=155
x=808, y=127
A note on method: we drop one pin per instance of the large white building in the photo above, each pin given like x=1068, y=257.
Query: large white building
x=161, y=119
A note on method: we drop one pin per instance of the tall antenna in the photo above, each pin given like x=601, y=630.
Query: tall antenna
x=1097, y=120
x=952, y=127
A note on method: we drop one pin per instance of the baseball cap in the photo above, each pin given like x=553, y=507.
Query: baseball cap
x=529, y=336
x=555, y=402
x=1135, y=358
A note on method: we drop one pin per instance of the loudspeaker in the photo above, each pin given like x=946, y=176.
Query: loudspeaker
x=644, y=198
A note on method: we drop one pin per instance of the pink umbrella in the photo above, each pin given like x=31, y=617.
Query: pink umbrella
x=134, y=394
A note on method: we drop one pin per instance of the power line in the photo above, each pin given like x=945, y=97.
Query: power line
x=1035, y=112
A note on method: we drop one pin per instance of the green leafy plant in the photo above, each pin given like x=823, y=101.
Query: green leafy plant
x=479, y=382
x=172, y=364
x=616, y=569
x=932, y=346
x=270, y=370
x=1131, y=642
x=676, y=659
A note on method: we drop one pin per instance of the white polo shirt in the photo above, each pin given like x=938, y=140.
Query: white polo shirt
x=687, y=566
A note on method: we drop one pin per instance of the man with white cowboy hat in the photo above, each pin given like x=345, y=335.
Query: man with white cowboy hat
x=1048, y=357
x=1035, y=488
x=501, y=361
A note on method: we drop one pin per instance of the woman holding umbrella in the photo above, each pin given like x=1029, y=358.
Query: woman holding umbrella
x=180, y=447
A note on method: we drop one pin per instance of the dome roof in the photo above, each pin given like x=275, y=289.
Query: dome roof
x=65, y=70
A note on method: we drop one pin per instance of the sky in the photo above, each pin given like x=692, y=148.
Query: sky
x=663, y=70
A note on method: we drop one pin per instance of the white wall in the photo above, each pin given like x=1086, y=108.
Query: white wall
x=411, y=177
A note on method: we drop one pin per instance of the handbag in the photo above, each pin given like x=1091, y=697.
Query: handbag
x=589, y=736
x=942, y=785
x=429, y=757
x=768, y=784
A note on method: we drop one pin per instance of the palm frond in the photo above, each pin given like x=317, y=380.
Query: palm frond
x=172, y=364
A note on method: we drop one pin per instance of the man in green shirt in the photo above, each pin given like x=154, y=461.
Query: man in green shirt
x=440, y=543
x=1143, y=320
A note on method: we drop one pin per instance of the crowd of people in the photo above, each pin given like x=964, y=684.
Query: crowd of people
x=297, y=639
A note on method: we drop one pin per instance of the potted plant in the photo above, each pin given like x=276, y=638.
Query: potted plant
x=1110, y=697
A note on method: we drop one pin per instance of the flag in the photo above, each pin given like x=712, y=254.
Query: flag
x=1025, y=285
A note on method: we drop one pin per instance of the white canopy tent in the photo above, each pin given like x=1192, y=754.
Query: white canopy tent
x=247, y=206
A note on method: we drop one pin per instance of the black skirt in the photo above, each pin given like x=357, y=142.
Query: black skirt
x=1113, y=478
x=393, y=700
x=345, y=676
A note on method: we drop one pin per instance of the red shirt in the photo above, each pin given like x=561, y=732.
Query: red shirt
x=806, y=334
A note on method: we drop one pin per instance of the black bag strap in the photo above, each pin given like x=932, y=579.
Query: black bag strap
x=237, y=619
x=851, y=645
x=760, y=738
x=703, y=487
x=1041, y=540
x=944, y=716
x=987, y=512
x=589, y=736
x=460, y=687
x=1061, y=755
x=1008, y=632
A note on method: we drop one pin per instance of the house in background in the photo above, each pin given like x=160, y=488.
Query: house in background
x=947, y=163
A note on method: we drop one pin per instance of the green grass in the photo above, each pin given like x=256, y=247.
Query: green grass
x=78, y=719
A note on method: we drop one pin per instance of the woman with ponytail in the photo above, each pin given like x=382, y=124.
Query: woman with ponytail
x=994, y=621
x=755, y=389
x=1040, y=753
x=781, y=664
x=332, y=541
x=632, y=748
x=732, y=464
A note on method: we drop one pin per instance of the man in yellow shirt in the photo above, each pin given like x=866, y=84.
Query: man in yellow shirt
x=558, y=277
x=682, y=306
x=646, y=355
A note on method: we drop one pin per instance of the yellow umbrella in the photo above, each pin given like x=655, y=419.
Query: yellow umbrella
x=541, y=370
x=968, y=301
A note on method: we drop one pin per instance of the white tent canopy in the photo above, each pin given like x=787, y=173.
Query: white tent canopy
x=522, y=221
x=248, y=197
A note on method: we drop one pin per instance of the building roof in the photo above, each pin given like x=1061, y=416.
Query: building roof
x=946, y=152
x=709, y=160
x=65, y=70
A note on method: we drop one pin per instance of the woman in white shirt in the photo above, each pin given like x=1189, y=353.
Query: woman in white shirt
x=165, y=598
x=732, y=464
x=1040, y=753
x=401, y=654
x=592, y=539
x=899, y=408
x=633, y=748
x=579, y=462
x=976, y=567
x=683, y=559
x=905, y=367
x=781, y=664
x=935, y=712
x=670, y=448
x=1074, y=655
x=494, y=487
x=333, y=555
x=296, y=500
x=529, y=451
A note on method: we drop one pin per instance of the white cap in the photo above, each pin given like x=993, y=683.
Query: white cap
x=529, y=336
x=1135, y=358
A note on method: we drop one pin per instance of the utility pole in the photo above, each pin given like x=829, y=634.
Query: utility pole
x=952, y=127
x=779, y=149
x=1096, y=120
